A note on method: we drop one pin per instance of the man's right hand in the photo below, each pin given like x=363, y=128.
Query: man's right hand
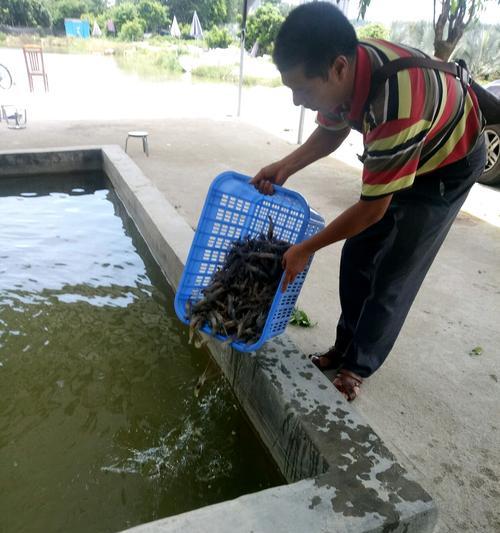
x=275, y=173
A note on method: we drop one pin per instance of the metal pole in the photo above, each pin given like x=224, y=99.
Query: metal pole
x=242, y=52
x=301, y=124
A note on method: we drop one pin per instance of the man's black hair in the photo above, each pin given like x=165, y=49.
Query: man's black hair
x=314, y=35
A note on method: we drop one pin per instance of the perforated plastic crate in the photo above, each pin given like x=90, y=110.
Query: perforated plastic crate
x=234, y=209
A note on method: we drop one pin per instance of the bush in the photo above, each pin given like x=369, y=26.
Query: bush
x=185, y=29
x=102, y=20
x=123, y=13
x=154, y=14
x=263, y=27
x=3, y=37
x=90, y=18
x=67, y=9
x=218, y=38
x=24, y=13
x=133, y=30
x=373, y=31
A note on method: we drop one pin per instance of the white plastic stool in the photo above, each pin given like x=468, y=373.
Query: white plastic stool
x=16, y=117
x=140, y=134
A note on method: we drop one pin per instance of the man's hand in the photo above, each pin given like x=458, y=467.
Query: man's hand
x=294, y=262
x=276, y=173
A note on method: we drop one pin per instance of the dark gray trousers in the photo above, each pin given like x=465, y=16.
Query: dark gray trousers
x=382, y=268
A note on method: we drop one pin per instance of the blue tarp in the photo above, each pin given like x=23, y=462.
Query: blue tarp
x=77, y=28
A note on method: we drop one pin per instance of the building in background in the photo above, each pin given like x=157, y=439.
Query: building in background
x=77, y=28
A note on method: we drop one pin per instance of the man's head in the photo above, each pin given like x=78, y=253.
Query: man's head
x=315, y=52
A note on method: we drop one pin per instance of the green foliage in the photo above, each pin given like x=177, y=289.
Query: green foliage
x=156, y=65
x=210, y=12
x=71, y=9
x=3, y=37
x=373, y=31
x=101, y=20
x=97, y=6
x=223, y=73
x=122, y=13
x=230, y=74
x=162, y=40
x=185, y=28
x=263, y=27
x=234, y=9
x=418, y=34
x=363, y=6
x=218, y=38
x=479, y=47
x=33, y=13
x=132, y=30
x=154, y=14
x=300, y=318
x=89, y=17
x=451, y=19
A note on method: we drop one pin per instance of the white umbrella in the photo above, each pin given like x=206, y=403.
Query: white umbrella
x=196, y=30
x=175, y=31
x=96, y=31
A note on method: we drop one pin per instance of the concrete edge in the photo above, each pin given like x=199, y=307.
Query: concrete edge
x=41, y=161
x=343, y=478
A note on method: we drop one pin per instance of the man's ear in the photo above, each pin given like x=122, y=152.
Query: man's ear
x=338, y=69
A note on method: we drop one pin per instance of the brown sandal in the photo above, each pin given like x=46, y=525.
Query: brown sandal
x=348, y=383
x=333, y=356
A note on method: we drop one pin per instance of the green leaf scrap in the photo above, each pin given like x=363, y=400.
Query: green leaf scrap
x=475, y=352
x=300, y=318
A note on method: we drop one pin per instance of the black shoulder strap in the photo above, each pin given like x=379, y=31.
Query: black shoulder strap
x=393, y=67
x=384, y=72
x=489, y=103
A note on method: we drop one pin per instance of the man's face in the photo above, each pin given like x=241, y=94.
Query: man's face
x=318, y=93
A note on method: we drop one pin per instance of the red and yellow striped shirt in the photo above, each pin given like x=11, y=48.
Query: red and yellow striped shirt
x=418, y=121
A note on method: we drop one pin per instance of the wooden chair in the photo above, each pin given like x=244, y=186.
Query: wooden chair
x=33, y=57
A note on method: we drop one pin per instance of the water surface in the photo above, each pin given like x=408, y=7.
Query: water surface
x=100, y=428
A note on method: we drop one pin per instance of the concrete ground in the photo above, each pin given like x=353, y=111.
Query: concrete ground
x=434, y=404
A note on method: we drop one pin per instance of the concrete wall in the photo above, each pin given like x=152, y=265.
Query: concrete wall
x=342, y=477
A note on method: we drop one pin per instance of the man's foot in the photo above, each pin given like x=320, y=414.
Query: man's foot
x=330, y=360
x=348, y=383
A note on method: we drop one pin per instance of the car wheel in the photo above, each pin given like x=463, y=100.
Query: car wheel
x=491, y=175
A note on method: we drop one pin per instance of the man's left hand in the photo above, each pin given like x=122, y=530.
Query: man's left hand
x=294, y=262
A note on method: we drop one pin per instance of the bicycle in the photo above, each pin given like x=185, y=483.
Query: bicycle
x=5, y=77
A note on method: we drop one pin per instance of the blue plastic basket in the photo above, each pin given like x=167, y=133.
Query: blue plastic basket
x=234, y=209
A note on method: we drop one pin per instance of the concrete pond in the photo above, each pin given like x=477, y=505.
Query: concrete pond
x=340, y=475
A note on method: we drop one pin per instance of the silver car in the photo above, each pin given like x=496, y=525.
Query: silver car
x=491, y=175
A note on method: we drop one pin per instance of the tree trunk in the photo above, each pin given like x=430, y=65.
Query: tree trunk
x=453, y=23
x=443, y=49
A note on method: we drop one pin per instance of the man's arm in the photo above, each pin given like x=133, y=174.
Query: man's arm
x=352, y=221
x=321, y=143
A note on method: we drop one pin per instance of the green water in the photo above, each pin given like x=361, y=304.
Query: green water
x=100, y=428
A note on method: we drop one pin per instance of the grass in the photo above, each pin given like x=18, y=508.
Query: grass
x=230, y=74
x=158, y=65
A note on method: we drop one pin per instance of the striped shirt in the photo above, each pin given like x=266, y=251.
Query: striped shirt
x=416, y=123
